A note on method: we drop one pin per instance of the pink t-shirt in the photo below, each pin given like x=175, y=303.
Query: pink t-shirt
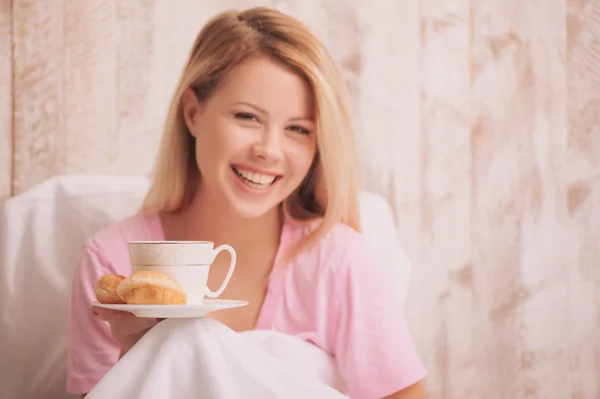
x=333, y=295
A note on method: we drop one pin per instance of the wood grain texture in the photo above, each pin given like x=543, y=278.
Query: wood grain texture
x=583, y=196
x=386, y=67
x=521, y=244
x=39, y=135
x=446, y=266
x=479, y=120
x=6, y=111
x=89, y=87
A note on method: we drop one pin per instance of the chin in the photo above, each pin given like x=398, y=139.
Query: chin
x=251, y=208
x=250, y=212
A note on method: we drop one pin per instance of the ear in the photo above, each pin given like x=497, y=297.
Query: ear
x=191, y=109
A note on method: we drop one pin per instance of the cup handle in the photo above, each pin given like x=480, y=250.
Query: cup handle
x=215, y=294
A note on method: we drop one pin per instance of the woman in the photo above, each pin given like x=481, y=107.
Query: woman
x=258, y=153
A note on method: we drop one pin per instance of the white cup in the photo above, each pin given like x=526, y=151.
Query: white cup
x=188, y=262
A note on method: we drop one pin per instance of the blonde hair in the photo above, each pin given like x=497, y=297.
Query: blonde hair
x=329, y=193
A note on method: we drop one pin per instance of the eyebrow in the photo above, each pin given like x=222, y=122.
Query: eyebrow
x=262, y=111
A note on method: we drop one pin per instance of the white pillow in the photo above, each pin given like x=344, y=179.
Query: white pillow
x=41, y=234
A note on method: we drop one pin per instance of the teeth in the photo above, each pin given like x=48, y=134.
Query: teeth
x=256, y=186
x=256, y=178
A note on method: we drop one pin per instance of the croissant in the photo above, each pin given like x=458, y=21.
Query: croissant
x=146, y=287
x=106, y=289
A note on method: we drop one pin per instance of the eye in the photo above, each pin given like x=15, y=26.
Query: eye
x=299, y=129
x=246, y=116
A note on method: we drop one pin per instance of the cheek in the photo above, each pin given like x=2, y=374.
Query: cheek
x=301, y=158
x=219, y=143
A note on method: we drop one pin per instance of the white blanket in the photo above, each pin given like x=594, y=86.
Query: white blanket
x=202, y=358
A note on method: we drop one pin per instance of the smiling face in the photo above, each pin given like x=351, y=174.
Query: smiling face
x=255, y=136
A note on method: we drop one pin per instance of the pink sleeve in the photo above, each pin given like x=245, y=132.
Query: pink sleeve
x=373, y=346
x=92, y=351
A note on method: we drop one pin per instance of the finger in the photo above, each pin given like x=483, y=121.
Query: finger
x=109, y=314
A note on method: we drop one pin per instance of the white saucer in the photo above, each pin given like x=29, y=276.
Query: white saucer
x=175, y=311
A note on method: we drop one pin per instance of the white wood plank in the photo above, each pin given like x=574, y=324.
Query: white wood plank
x=38, y=91
x=520, y=240
x=89, y=86
x=6, y=111
x=583, y=196
x=443, y=283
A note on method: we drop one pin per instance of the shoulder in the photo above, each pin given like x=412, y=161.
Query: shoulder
x=110, y=243
x=342, y=242
x=134, y=228
x=344, y=257
x=341, y=247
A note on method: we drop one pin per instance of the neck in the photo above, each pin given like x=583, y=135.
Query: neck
x=206, y=219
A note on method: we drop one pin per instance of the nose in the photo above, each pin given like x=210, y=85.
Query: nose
x=269, y=145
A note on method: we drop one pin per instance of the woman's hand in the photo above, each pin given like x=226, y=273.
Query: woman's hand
x=125, y=328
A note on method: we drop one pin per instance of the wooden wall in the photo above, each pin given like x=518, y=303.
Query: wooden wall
x=478, y=119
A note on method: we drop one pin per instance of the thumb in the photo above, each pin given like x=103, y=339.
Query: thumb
x=135, y=325
x=147, y=322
